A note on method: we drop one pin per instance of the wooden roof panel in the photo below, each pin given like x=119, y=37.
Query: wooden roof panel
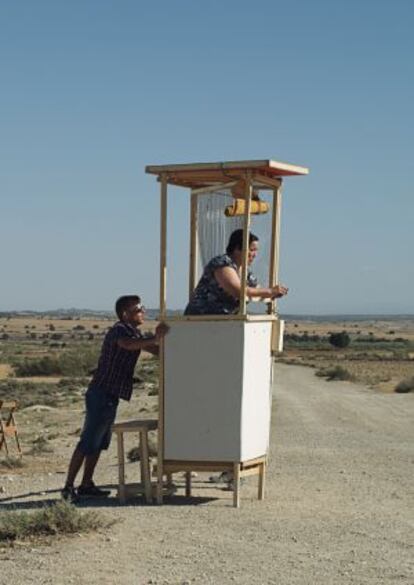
x=201, y=174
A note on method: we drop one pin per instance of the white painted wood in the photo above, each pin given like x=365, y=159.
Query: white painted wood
x=217, y=381
x=255, y=414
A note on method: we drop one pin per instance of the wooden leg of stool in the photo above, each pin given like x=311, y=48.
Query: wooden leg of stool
x=3, y=441
x=121, y=468
x=145, y=470
x=188, y=484
x=236, y=486
x=16, y=435
x=262, y=475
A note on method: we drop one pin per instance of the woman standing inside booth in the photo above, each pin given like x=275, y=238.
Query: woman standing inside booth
x=218, y=291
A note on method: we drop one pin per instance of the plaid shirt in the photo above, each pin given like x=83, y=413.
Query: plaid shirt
x=116, y=366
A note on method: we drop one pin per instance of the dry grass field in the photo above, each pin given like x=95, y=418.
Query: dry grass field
x=381, y=352
x=45, y=364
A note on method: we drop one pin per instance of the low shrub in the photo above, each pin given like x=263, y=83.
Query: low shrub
x=77, y=362
x=33, y=393
x=40, y=445
x=12, y=463
x=44, y=366
x=341, y=339
x=405, y=386
x=58, y=519
x=335, y=373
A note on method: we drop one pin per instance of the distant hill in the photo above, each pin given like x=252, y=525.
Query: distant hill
x=77, y=314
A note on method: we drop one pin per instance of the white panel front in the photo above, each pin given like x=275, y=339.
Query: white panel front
x=256, y=400
x=203, y=390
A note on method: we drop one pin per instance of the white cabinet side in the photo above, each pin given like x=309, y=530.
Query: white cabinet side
x=256, y=401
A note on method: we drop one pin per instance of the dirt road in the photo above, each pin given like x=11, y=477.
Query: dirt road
x=338, y=510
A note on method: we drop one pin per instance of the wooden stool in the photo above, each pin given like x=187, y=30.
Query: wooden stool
x=8, y=427
x=134, y=426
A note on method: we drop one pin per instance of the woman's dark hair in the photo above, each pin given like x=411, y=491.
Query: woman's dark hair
x=123, y=303
x=236, y=241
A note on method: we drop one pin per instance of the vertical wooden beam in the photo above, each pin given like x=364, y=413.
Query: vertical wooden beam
x=275, y=245
x=121, y=467
x=262, y=477
x=188, y=484
x=236, y=485
x=145, y=468
x=163, y=311
x=163, y=248
x=193, y=242
x=246, y=230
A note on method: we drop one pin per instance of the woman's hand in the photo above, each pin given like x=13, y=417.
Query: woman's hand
x=278, y=291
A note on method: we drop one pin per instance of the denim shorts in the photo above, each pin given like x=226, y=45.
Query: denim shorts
x=100, y=414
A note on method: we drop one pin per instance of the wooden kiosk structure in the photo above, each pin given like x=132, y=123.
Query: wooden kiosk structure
x=215, y=370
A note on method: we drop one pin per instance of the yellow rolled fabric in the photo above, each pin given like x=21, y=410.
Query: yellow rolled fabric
x=238, y=208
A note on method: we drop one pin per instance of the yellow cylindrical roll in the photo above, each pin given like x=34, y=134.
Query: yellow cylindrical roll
x=238, y=208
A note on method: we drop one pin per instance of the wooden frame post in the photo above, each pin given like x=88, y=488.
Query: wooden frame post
x=193, y=241
x=246, y=230
x=163, y=312
x=275, y=245
x=163, y=248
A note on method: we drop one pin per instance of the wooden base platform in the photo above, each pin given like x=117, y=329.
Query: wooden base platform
x=238, y=469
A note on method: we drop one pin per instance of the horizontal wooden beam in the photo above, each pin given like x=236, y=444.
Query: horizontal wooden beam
x=268, y=181
x=215, y=187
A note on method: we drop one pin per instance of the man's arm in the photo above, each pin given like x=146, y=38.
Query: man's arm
x=150, y=344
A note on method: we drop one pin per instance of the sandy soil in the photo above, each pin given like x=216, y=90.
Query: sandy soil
x=338, y=509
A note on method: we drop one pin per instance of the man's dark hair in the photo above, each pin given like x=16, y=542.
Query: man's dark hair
x=124, y=302
x=236, y=241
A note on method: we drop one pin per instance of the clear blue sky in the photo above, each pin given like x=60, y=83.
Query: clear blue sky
x=92, y=91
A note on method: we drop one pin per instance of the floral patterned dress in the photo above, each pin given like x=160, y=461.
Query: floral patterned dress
x=208, y=298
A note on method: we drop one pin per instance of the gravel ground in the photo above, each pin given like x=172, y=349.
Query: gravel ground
x=338, y=508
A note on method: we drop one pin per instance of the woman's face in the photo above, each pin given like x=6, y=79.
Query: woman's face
x=253, y=250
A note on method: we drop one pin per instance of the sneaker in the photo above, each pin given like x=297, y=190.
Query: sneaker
x=69, y=495
x=224, y=477
x=230, y=484
x=92, y=491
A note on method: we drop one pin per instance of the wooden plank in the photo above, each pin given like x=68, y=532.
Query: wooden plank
x=163, y=247
x=177, y=466
x=135, y=426
x=250, y=471
x=193, y=243
x=188, y=484
x=121, y=468
x=163, y=309
x=269, y=164
x=255, y=461
x=246, y=231
x=274, y=245
x=268, y=181
x=9, y=430
x=161, y=423
x=216, y=187
x=262, y=478
x=236, y=485
x=8, y=404
x=237, y=317
x=145, y=470
x=205, y=318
